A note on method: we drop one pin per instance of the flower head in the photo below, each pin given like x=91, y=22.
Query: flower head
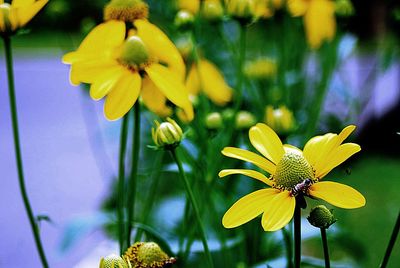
x=321, y=217
x=126, y=10
x=292, y=173
x=319, y=19
x=206, y=76
x=145, y=63
x=18, y=14
x=147, y=255
x=114, y=261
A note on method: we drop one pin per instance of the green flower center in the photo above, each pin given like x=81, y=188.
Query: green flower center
x=292, y=170
x=126, y=10
x=134, y=53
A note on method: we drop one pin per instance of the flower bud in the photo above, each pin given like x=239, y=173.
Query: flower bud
x=244, y=120
x=321, y=217
x=134, y=52
x=167, y=134
x=344, y=8
x=126, y=10
x=185, y=47
x=281, y=119
x=260, y=69
x=192, y=6
x=184, y=20
x=240, y=9
x=212, y=10
x=114, y=261
x=214, y=120
x=147, y=255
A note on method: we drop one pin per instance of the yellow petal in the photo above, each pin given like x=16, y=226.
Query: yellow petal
x=265, y=140
x=298, y=7
x=192, y=81
x=345, y=133
x=337, y=194
x=102, y=86
x=247, y=172
x=154, y=99
x=21, y=3
x=123, y=96
x=317, y=149
x=90, y=71
x=2, y=28
x=160, y=46
x=338, y=156
x=250, y=157
x=213, y=83
x=320, y=22
x=248, y=207
x=168, y=83
x=26, y=13
x=278, y=212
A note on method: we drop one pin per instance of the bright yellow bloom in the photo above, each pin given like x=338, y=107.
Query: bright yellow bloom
x=192, y=6
x=206, y=76
x=262, y=68
x=281, y=120
x=121, y=69
x=292, y=172
x=319, y=19
x=18, y=14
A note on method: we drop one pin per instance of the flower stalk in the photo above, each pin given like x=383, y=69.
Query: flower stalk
x=297, y=236
x=195, y=206
x=18, y=155
x=392, y=241
x=325, y=246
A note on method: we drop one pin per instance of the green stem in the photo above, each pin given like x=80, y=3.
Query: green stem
x=325, y=246
x=133, y=174
x=288, y=245
x=240, y=76
x=18, y=155
x=297, y=237
x=392, y=241
x=192, y=199
x=121, y=182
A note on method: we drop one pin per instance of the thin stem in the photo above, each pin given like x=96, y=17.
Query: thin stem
x=325, y=246
x=288, y=245
x=392, y=241
x=192, y=199
x=297, y=237
x=121, y=182
x=240, y=76
x=133, y=174
x=18, y=155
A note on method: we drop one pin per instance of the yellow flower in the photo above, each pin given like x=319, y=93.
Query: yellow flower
x=319, y=19
x=281, y=120
x=18, y=14
x=293, y=172
x=206, y=76
x=122, y=69
x=262, y=68
x=192, y=6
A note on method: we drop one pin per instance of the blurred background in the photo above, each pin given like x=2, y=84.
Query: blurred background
x=70, y=150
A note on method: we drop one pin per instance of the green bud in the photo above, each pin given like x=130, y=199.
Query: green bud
x=167, y=134
x=244, y=120
x=344, y=8
x=212, y=10
x=113, y=261
x=134, y=52
x=147, y=255
x=321, y=217
x=214, y=120
x=184, y=20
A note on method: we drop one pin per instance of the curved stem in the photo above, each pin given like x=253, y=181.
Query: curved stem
x=392, y=241
x=193, y=202
x=121, y=183
x=297, y=237
x=18, y=155
x=325, y=246
x=134, y=171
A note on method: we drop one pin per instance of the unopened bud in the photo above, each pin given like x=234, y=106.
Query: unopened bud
x=344, y=8
x=147, y=254
x=244, y=120
x=321, y=217
x=214, y=121
x=114, y=261
x=184, y=19
x=212, y=10
x=167, y=134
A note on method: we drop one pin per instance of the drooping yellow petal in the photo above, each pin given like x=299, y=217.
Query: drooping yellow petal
x=169, y=84
x=247, y=172
x=213, y=83
x=123, y=96
x=320, y=22
x=278, y=212
x=154, y=99
x=192, y=81
x=91, y=70
x=101, y=87
x=338, y=156
x=298, y=7
x=250, y=157
x=160, y=46
x=2, y=26
x=26, y=13
x=21, y=3
x=248, y=207
x=265, y=140
x=337, y=194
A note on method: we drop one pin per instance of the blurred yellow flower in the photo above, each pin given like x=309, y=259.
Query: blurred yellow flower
x=192, y=6
x=206, y=76
x=319, y=19
x=281, y=119
x=293, y=172
x=126, y=10
x=121, y=69
x=18, y=14
x=261, y=68
x=242, y=9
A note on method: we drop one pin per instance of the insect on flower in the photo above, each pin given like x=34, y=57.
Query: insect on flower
x=301, y=187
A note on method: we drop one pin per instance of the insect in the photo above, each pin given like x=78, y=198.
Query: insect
x=301, y=187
